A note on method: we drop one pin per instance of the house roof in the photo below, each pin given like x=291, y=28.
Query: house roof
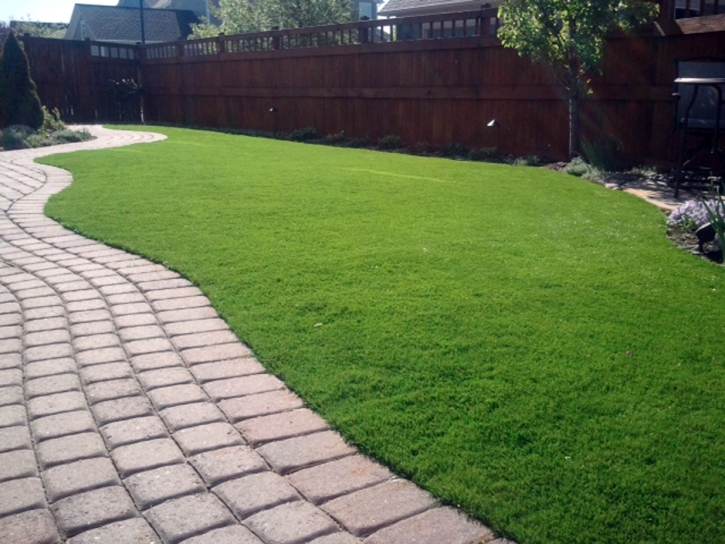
x=122, y=24
x=410, y=7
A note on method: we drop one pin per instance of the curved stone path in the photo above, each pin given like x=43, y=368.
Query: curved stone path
x=130, y=413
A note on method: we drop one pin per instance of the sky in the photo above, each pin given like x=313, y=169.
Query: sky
x=46, y=11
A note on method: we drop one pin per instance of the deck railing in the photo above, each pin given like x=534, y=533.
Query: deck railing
x=468, y=24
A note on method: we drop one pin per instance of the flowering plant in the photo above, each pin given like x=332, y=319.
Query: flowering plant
x=694, y=213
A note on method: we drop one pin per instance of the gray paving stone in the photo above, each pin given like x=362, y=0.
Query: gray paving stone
x=304, y=451
x=141, y=333
x=42, y=338
x=92, y=509
x=11, y=318
x=17, y=464
x=12, y=415
x=220, y=352
x=432, y=527
x=190, y=415
x=104, y=372
x=55, y=404
x=265, y=429
x=120, y=409
x=136, y=320
x=130, y=531
x=146, y=455
x=190, y=314
x=207, y=437
x=112, y=389
x=44, y=302
x=179, y=519
x=231, y=368
x=11, y=360
x=368, y=510
x=174, y=395
x=292, y=523
x=11, y=395
x=100, y=356
x=200, y=339
x=70, y=448
x=92, y=327
x=133, y=308
x=248, y=495
x=51, y=367
x=234, y=534
x=34, y=293
x=152, y=487
x=225, y=464
x=12, y=331
x=14, y=438
x=159, y=274
x=51, y=351
x=108, y=290
x=48, y=324
x=89, y=316
x=32, y=527
x=96, y=341
x=134, y=430
x=152, y=361
x=78, y=477
x=64, y=424
x=50, y=385
x=85, y=304
x=180, y=303
x=126, y=298
x=239, y=387
x=327, y=481
x=147, y=286
x=179, y=292
x=164, y=377
x=195, y=325
x=339, y=538
x=10, y=345
x=21, y=495
x=273, y=402
x=45, y=312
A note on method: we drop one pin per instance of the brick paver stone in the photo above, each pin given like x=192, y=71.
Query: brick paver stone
x=108, y=371
x=364, y=512
x=133, y=430
x=433, y=527
x=238, y=387
x=50, y=351
x=63, y=424
x=20, y=495
x=152, y=487
x=151, y=361
x=264, y=429
x=339, y=538
x=14, y=438
x=70, y=448
x=146, y=455
x=49, y=385
x=324, y=482
x=292, y=523
x=179, y=519
x=11, y=395
x=200, y=339
x=72, y=478
x=248, y=495
x=173, y=395
x=11, y=360
x=100, y=356
x=89, y=510
x=112, y=389
x=304, y=451
x=219, y=352
x=191, y=415
x=33, y=527
x=120, y=409
x=12, y=415
x=218, y=466
x=56, y=404
x=231, y=368
x=234, y=534
x=96, y=341
x=212, y=436
x=273, y=402
x=196, y=325
x=130, y=531
x=17, y=464
x=13, y=376
x=153, y=379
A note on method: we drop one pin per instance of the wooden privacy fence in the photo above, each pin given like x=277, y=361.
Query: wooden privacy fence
x=437, y=79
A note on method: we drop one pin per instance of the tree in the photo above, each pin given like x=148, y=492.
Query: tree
x=240, y=16
x=568, y=36
x=19, y=102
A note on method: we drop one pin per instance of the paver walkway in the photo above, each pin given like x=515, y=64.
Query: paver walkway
x=130, y=413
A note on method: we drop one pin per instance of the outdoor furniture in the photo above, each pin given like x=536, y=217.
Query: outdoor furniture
x=700, y=115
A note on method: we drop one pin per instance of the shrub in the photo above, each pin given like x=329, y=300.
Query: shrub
x=359, y=142
x=453, y=150
x=528, y=160
x=485, y=154
x=422, y=148
x=693, y=214
x=334, y=139
x=716, y=214
x=52, y=121
x=18, y=94
x=304, y=134
x=15, y=137
x=602, y=153
x=577, y=167
x=391, y=141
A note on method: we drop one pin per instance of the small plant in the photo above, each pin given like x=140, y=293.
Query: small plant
x=15, y=137
x=528, y=160
x=359, y=142
x=422, y=148
x=337, y=138
x=603, y=153
x=453, y=150
x=51, y=121
x=391, y=141
x=577, y=167
x=485, y=154
x=304, y=134
x=693, y=214
x=716, y=214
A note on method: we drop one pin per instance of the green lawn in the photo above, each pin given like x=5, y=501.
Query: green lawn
x=522, y=343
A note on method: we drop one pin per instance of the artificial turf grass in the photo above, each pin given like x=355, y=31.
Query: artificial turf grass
x=522, y=343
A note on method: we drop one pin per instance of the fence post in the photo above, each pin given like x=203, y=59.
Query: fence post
x=363, y=32
x=276, y=39
x=221, y=44
x=180, y=49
